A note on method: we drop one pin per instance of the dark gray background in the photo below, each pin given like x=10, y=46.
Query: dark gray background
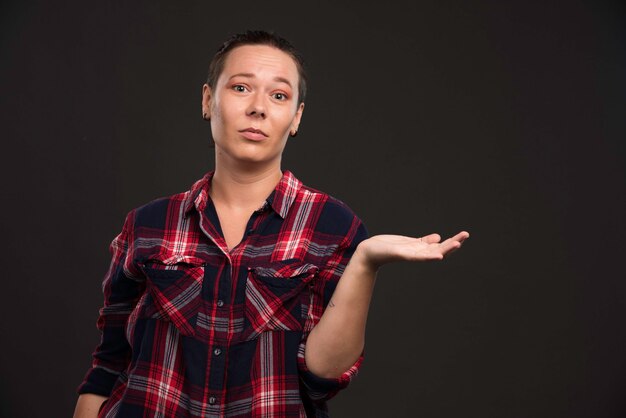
x=503, y=118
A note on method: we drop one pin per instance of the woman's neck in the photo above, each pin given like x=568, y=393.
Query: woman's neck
x=243, y=190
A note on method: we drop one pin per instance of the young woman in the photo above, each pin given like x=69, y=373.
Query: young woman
x=248, y=294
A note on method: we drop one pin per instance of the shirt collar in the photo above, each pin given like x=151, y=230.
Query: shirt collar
x=280, y=200
x=198, y=195
x=284, y=194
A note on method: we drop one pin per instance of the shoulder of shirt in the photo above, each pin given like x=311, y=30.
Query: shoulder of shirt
x=334, y=205
x=161, y=204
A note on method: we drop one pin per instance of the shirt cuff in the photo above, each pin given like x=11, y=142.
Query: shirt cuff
x=98, y=381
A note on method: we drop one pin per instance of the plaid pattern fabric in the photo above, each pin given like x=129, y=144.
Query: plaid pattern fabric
x=192, y=329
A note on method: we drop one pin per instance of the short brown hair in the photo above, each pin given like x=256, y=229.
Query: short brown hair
x=257, y=37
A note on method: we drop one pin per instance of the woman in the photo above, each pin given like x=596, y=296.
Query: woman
x=236, y=297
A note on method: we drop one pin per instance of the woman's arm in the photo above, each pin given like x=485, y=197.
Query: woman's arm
x=88, y=405
x=337, y=341
x=122, y=287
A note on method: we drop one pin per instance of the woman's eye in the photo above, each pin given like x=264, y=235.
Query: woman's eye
x=239, y=88
x=280, y=96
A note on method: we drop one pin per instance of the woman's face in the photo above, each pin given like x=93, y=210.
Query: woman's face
x=254, y=105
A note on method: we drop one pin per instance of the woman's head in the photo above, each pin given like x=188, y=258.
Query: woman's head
x=253, y=98
x=257, y=37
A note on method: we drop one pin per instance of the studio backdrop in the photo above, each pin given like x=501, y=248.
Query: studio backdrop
x=505, y=119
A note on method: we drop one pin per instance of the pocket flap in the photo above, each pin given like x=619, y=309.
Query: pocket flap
x=175, y=286
x=287, y=274
x=174, y=259
x=277, y=296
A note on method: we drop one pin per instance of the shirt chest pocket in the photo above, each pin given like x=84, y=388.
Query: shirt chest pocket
x=278, y=297
x=173, y=290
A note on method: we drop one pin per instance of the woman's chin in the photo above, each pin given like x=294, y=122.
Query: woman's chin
x=246, y=155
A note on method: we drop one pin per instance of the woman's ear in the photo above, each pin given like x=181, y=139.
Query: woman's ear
x=207, y=98
x=293, y=131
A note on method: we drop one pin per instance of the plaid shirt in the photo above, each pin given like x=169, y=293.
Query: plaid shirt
x=190, y=328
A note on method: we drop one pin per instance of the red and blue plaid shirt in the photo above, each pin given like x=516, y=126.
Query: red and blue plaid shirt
x=190, y=328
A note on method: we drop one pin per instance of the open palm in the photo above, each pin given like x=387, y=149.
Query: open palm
x=383, y=249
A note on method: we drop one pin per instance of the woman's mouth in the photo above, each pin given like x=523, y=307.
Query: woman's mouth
x=253, y=134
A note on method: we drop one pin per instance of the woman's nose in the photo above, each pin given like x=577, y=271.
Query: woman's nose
x=256, y=106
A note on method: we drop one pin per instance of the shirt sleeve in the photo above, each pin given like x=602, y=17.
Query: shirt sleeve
x=122, y=289
x=317, y=388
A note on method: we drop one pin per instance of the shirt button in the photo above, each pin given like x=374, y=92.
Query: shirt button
x=217, y=351
x=212, y=400
x=220, y=303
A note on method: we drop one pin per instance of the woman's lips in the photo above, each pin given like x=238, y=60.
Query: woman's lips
x=253, y=134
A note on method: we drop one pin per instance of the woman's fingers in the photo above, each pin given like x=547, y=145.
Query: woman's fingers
x=454, y=243
x=461, y=236
x=431, y=239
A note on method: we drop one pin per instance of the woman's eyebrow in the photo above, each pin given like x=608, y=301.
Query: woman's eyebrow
x=247, y=75
x=282, y=80
x=250, y=75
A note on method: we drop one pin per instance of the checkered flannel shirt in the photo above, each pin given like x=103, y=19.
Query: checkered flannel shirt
x=191, y=329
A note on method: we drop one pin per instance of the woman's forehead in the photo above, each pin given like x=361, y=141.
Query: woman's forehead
x=260, y=61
